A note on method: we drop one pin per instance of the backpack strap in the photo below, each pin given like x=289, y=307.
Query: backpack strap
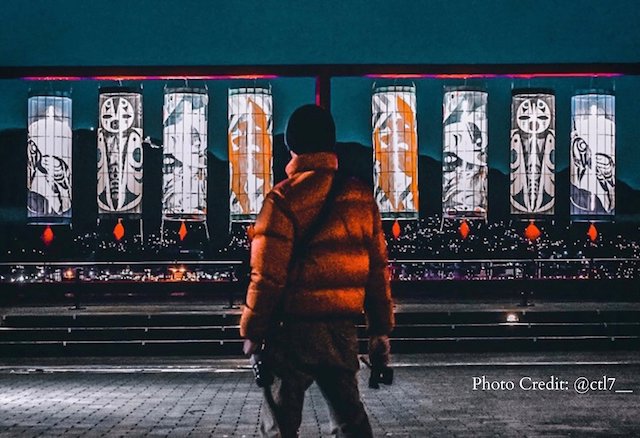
x=300, y=245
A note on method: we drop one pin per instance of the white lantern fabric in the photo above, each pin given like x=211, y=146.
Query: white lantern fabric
x=184, y=165
x=120, y=171
x=464, y=153
x=49, y=158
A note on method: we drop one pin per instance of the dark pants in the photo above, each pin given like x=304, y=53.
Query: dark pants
x=300, y=353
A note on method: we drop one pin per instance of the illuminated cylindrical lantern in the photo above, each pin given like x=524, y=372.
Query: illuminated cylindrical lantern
x=184, y=169
x=593, y=154
x=464, y=153
x=49, y=145
x=120, y=152
x=395, y=151
x=533, y=146
x=250, y=140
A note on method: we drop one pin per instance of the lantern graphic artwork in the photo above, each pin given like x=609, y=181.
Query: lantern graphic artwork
x=49, y=145
x=533, y=146
x=395, y=151
x=593, y=154
x=120, y=152
x=184, y=168
x=464, y=153
x=250, y=141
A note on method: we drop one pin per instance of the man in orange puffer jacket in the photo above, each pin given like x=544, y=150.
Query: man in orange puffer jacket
x=304, y=310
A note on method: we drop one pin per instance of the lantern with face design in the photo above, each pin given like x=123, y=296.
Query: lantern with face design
x=120, y=152
x=49, y=147
x=593, y=154
x=395, y=151
x=184, y=170
x=250, y=140
x=533, y=137
x=464, y=153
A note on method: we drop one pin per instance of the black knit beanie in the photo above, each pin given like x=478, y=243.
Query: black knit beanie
x=310, y=129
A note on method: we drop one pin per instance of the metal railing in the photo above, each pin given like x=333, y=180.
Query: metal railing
x=401, y=270
x=509, y=269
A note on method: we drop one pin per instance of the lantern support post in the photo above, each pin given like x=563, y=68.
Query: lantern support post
x=527, y=293
x=323, y=91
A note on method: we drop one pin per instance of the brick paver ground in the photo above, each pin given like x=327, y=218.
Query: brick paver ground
x=429, y=398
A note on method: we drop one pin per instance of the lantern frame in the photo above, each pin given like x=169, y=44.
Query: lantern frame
x=58, y=163
x=606, y=159
x=248, y=188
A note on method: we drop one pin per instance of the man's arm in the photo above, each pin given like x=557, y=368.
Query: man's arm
x=270, y=258
x=378, y=304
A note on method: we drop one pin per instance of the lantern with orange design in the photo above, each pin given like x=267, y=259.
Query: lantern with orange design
x=250, y=146
x=592, y=232
x=395, y=153
x=532, y=232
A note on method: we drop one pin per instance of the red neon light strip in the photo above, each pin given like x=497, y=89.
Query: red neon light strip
x=318, y=86
x=373, y=76
x=490, y=76
x=145, y=78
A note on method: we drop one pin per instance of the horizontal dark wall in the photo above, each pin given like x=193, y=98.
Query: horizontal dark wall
x=256, y=32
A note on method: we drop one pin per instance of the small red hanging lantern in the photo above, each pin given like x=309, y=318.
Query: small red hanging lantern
x=47, y=236
x=593, y=232
x=532, y=232
x=464, y=229
x=118, y=230
x=183, y=231
x=251, y=232
x=395, y=229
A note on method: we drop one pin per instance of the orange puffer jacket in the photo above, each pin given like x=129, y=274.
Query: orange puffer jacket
x=342, y=272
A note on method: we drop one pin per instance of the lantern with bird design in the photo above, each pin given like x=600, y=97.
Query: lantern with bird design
x=593, y=155
x=49, y=147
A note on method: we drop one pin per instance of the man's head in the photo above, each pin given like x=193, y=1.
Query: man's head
x=310, y=129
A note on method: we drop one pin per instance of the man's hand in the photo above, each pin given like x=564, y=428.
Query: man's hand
x=249, y=347
x=379, y=350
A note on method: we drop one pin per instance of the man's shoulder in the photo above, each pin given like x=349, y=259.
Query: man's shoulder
x=355, y=187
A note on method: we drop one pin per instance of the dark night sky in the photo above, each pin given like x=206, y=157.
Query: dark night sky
x=199, y=32
x=216, y=32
